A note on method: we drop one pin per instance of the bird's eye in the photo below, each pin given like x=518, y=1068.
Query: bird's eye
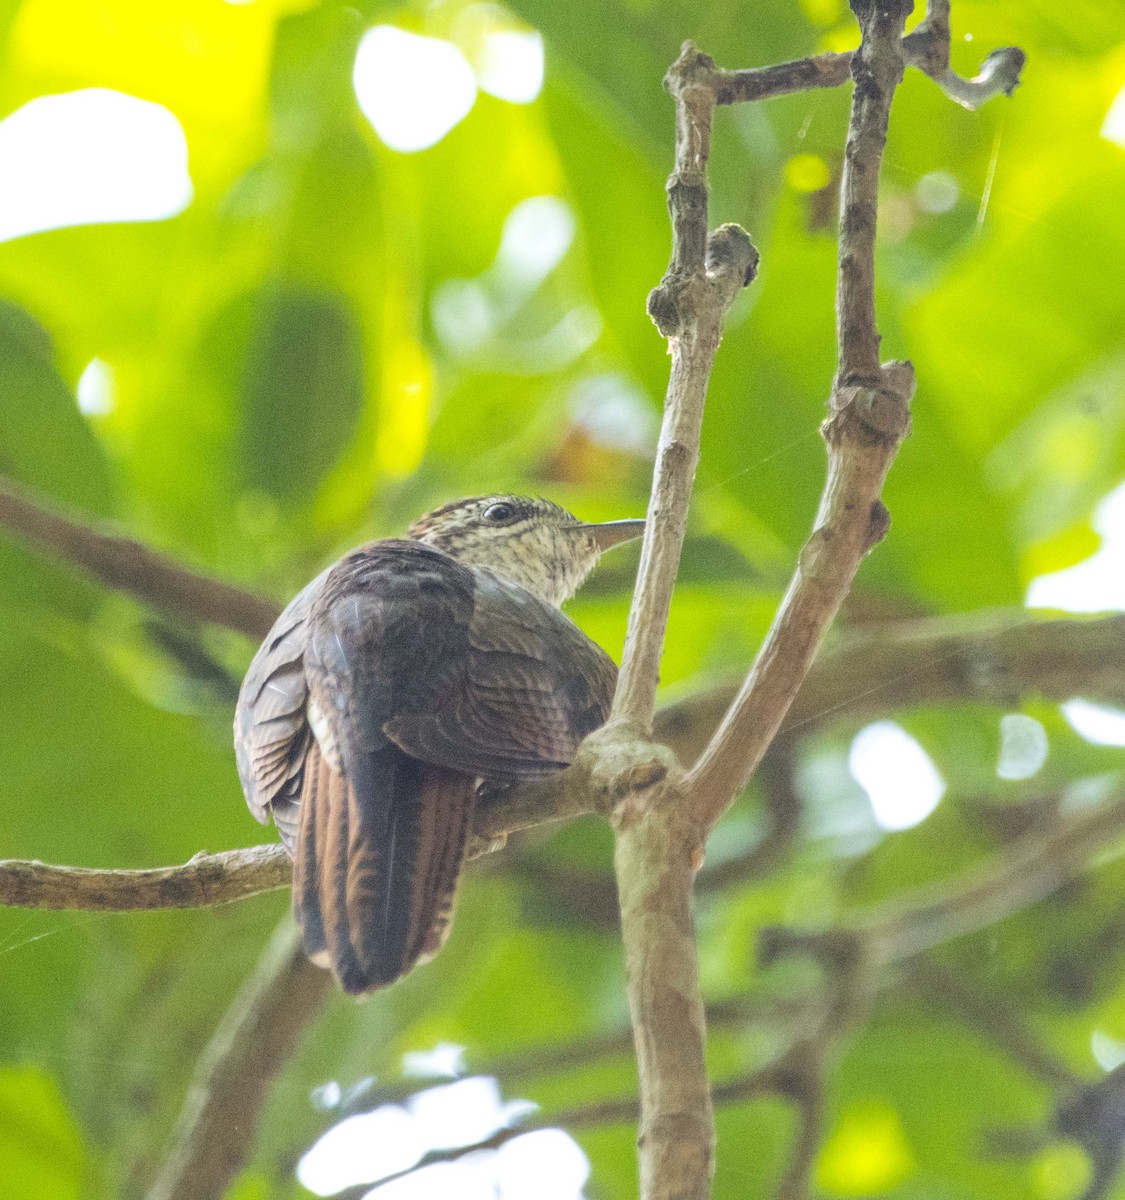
x=498, y=514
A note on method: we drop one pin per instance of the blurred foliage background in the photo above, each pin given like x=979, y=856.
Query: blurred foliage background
x=334, y=336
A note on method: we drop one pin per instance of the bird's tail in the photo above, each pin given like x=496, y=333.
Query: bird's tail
x=376, y=867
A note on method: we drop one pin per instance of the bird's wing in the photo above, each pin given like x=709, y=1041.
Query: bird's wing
x=271, y=732
x=530, y=688
x=421, y=675
x=389, y=632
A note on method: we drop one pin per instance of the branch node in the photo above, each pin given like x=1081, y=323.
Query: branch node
x=693, y=67
x=664, y=307
x=879, y=522
x=623, y=767
x=876, y=411
x=732, y=255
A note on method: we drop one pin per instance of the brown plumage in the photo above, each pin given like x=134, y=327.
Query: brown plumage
x=388, y=689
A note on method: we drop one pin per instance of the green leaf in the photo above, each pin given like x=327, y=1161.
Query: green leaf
x=40, y=1144
x=303, y=390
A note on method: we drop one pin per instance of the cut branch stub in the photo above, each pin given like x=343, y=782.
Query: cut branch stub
x=999, y=75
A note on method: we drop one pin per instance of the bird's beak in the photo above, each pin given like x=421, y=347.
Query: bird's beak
x=613, y=533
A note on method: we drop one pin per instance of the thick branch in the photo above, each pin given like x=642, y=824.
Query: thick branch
x=204, y=881
x=128, y=566
x=869, y=417
x=657, y=846
x=997, y=657
x=253, y=1042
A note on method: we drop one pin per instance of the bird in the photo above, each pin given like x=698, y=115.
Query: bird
x=392, y=686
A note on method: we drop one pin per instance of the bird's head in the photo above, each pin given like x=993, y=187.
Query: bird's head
x=531, y=542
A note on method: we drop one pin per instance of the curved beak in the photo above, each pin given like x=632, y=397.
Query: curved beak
x=613, y=533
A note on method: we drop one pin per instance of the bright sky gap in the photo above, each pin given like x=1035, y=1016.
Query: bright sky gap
x=89, y=157
x=415, y=89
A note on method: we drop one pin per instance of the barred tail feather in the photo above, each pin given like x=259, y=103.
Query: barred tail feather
x=445, y=802
x=377, y=864
x=306, y=870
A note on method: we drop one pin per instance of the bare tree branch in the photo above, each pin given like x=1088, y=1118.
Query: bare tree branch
x=997, y=657
x=128, y=566
x=945, y=992
x=584, y=1116
x=553, y=1058
x=254, y=1040
x=656, y=846
x=804, y=1068
x=202, y=882
x=869, y=417
x=772, y=1079
x=688, y=307
x=1021, y=876
x=927, y=48
x=782, y=806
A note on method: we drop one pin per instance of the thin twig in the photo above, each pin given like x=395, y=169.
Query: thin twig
x=772, y=1079
x=805, y=1064
x=128, y=566
x=688, y=307
x=555, y=1058
x=996, y=657
x=927, y=48
x=869, y=417
x=254, y=1040
x=1023, y=875
x=585, y=1116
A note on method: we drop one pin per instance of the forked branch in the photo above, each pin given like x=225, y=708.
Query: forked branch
x=656, y=848
x=660, y=835
x=868, y=418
